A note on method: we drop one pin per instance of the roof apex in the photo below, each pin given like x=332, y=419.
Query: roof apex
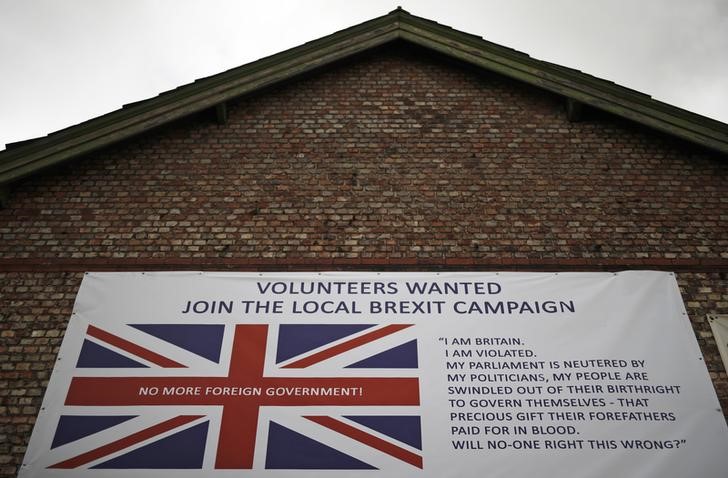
x=28, y=157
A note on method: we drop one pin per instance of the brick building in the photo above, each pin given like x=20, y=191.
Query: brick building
x=397, y=144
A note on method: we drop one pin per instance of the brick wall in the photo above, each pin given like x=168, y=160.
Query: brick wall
x=392, y=156
x=395, y=159
x=34, y=310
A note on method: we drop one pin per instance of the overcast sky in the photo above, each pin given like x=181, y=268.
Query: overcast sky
x=63, y=62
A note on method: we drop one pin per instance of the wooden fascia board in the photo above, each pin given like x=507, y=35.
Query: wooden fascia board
x=599, y=94
x=477, y=45
x=207, y=93
x=211, y=91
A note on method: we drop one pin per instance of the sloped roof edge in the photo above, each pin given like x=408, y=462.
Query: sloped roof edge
x=28, y=157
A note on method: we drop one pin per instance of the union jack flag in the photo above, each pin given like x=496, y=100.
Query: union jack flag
x=246, y=396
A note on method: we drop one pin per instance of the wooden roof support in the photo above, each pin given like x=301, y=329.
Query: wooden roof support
x=574, y=110
x=221, y=113
x=4, y=195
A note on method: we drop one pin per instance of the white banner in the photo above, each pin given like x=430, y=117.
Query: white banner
x=719, y=327
x=379, y=374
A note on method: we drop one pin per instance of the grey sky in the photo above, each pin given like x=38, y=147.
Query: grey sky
x=63, y=62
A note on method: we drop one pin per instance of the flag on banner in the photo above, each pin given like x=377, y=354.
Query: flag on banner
x=241, y=379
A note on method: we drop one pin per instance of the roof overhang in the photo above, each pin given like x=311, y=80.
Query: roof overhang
x=28, y=157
